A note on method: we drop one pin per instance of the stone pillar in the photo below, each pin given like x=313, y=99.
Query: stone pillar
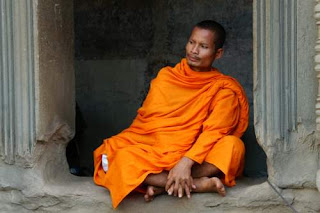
x=17, y=82
x=318, y=180
x=37, y=77
x=284, y=89
x=36, y=95
x=317, y=69
x=276, y=70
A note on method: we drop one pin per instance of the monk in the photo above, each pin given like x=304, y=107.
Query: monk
x=186, y=136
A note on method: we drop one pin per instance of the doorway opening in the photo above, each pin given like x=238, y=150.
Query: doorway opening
x=121, y=45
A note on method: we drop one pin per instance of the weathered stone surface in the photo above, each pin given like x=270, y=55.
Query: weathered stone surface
x=17, y=97
x=305, y=200
x=55, y=94
x=75, y=194
x=285, y=127
x=318, y=180
x=51, y=82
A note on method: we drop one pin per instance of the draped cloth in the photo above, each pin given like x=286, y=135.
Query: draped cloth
x=186, y=113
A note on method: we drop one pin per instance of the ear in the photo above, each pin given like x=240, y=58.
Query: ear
x=219, y=53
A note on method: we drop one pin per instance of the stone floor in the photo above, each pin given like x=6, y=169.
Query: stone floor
x=81, y=195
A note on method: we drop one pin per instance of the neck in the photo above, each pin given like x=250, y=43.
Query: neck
x=197, y=69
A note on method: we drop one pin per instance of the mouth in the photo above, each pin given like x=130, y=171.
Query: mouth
x=192, y=58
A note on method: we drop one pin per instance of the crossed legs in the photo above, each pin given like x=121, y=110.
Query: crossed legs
x=204, y=178
x=227, y=154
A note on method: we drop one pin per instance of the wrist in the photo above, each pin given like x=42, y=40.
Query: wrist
x=189, y=162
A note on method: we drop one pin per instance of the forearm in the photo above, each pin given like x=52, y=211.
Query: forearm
x=186, y=162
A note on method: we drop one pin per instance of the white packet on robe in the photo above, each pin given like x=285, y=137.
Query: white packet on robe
x=105, y=162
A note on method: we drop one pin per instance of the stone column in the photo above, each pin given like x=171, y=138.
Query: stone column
x=36, y=93
x=317, y=69
x=285, y=90
x=17, y=82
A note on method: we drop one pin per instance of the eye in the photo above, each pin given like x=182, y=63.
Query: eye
x=190, y=42
x=204, y=47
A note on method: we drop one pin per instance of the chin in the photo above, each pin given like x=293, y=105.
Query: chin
x=191, y=63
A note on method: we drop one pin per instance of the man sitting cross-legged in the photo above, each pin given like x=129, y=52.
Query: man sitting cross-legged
x=186, y=136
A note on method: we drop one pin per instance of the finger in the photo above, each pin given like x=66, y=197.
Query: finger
x=180, y=191
x=170, y=190
x=175, y=188
x=187, y=190
x=169, y=183
x=188, y=183
x=182, y=183
x=193, y=186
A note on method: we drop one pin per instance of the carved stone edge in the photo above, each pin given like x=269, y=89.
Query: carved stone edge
x=317, y=62
x=317, y=69
x=18, y=127
x=318, y=180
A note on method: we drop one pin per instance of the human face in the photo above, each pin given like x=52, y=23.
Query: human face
x=200, y=50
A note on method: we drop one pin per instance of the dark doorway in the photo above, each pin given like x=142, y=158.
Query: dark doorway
x=120, y=45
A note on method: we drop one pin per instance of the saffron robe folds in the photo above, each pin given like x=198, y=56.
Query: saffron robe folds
x=186, y=113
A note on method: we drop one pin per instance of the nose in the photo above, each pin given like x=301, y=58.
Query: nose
x=195, y=49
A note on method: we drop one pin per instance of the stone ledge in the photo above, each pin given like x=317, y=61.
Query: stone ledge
x=75, y=194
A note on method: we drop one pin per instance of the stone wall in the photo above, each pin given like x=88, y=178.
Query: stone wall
x=55, y=71
x=121, y=45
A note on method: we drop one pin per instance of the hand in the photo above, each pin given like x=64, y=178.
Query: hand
x=179, y=178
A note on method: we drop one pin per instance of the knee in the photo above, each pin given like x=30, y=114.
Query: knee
x=235, y=142
x=126, y=155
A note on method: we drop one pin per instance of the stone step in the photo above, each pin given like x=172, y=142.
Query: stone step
x=80, y=194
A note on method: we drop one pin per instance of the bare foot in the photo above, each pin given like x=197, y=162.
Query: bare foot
x=213, y=184
x=151, y=192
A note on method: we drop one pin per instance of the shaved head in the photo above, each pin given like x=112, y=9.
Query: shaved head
x=217, y=29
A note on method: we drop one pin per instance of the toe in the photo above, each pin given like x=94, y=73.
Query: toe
x=149, y=194
x=219, y=186
x=150, y=191
x=221, y=190
x=146, y=198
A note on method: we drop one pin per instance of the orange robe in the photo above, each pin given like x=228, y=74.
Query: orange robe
x=186, y=113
